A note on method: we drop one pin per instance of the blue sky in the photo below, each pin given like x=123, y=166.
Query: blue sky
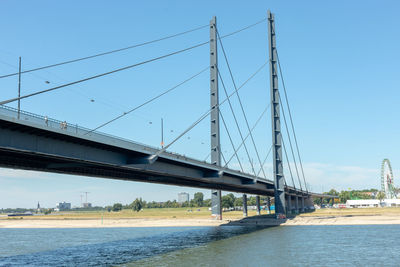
x=340, y=62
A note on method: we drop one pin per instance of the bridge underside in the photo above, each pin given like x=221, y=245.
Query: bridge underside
x=34, y=147
x=45, y=163
x=36, y=143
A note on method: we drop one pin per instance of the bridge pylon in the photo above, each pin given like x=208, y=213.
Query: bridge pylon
x=280, y=205
x=216, y=209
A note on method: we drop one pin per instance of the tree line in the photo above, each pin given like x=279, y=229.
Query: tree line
x=228, y=201
x=345, y=195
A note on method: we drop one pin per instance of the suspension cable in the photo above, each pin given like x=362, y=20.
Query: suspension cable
x=222, y=154
x=148, y=101
x=258, y=120
x=287, y=159
x=290, y=142
x=236, y=122
x=265, y=159
x=107, y=53
x=291, y=121
x=103, y=74
x=159, y=152
x=241, y=105
x=230, y=139
x=129, y=47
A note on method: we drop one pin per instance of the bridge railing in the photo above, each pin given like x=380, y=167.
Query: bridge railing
x=61, y=125
x=45, y=121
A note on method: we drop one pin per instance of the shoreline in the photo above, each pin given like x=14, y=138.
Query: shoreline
x=249, y=221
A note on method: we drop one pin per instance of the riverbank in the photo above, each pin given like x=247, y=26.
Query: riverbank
x=200, y=217
x=106, y=223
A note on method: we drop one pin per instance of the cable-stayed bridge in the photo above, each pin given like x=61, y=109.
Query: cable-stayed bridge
x=34, y=142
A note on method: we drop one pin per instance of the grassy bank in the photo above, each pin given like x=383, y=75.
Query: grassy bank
x=194, y=213
x=162, y=213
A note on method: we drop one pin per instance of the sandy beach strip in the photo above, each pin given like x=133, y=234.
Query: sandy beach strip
x=344, y=220
x=254, y=220
x=106, y=223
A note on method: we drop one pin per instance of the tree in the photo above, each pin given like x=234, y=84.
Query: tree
x=252, y=201
x=380, y=196
x=198, y=199
x=117, y=207
x=238, y=202
x=333, y=192
x=137, y=205
x=207, y=202
x=228, y=201
x=344, y=196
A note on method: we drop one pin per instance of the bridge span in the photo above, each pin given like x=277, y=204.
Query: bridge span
x=33, y=142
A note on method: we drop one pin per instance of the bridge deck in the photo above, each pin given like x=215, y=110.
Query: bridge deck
x=36, y=142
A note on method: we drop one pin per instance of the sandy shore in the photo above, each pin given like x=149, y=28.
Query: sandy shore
x=344, y=220
x=261, y=221
x=98, y=223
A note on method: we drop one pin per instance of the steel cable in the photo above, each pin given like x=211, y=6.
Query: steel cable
x=241, y=105
x=206, y=114
x=236, y=122
x=127, y=48
x=230, y=139
x=291, y=120
x=148, y=101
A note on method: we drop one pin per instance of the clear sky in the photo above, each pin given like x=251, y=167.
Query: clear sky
x=340, y=61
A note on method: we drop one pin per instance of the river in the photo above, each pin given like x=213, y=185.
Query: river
x=371, y=245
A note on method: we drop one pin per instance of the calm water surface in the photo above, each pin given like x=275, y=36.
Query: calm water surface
x=371, y=245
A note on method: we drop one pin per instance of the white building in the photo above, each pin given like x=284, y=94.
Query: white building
x=363, y=203
x=63, y=206
x=371, y=203
x=183, y=197
x=391, y=202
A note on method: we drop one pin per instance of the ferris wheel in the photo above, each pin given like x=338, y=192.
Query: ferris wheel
x=387, y=183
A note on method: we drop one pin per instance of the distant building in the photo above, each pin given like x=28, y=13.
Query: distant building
x=38, y=207
x=391, y=202
x=183, y=197
x=371, y=203
x=63, y=206
x=87, y=205
x=363, y=203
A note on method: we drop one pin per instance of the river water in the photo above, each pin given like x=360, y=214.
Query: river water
x=366, y=245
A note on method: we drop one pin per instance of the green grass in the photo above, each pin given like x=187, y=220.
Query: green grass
x=161, y=213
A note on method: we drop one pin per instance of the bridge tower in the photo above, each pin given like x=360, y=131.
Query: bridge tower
x=216, y=209
x=280, y=205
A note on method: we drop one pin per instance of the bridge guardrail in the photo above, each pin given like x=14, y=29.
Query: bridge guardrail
x=71, y=128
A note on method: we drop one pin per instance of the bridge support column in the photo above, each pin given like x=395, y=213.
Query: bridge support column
x=289, y=204
x=279, y=180
x=258, y=205
x=297, y=204
x=322, y=201
x=244, y=205
x=269, y=205
x=333, y=201
x=216, y=208
x=302, y=204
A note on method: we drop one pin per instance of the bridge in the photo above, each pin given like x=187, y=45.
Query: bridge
x=34, y=142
